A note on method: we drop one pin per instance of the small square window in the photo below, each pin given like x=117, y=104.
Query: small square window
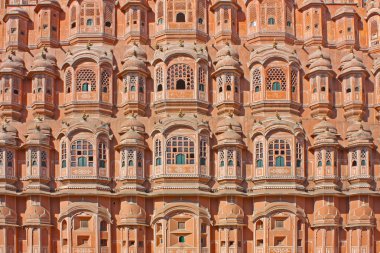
x=279, y=223
x=181, y=225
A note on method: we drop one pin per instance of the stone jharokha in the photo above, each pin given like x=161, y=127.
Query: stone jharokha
x=183, y=126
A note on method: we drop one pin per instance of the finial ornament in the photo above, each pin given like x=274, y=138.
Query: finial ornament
x=181, y=114
x=181, y=43
x=278, y=116
x=85, y=116
x=89, y=45
x=275, y=44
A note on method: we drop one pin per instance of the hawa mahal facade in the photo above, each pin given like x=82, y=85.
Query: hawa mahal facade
x=182, y=126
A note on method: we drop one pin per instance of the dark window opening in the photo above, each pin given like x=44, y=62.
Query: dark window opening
x=180, y=18
x=108, y=24
x=159, y=87
x=180, y=85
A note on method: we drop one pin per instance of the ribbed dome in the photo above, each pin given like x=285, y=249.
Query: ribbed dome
x=17, y=11
x=231, y=211
x=327, y=215
x=38, y=133
x=323, y=126
x=229, y=136
x=6, y=213
x=132, y=214
x=351, y=61
x=318, y=54
x=357, y=133
x=13, y=63
x=8, y=134
x=361, y=214
x=134, y=50
x=134, y=63
x=227, y=50
x=132, y=135
x=321, y=63
x=227, y=62
x=132, y=122
x=226, y=122
x=36, y=215
x=132, y=211
x=45, y=61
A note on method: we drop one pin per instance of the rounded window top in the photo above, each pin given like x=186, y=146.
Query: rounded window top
x=180, y=17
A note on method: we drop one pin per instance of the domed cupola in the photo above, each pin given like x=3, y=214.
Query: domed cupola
x=134, y=76
x=327, y=215
x=227, y=122
x=12, y=72
x=314, y=23
x=227, y=74
x=353, y=75
x=325, y=134
x=7, y=216
x=230, y=214
x=361, y=216
x=36, y=215
x=44, y=74
x=136, y=20
x=320, y=76
x=16, y=23
x=132, y=148
x=131, y=214
x=37, y=148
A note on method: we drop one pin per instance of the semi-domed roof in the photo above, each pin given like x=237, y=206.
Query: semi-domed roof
x=226, y=123
x=351, y=62
x=230, y=137
x=227, y=50
x=230, y=214
x=135, y=50
x=45, y=62
x=36, y=215
x=13, y=64
x=8, y=135
x=38, y=133
x=132, y=214
x=132, y=122
x=7, y=216
x=326, y=215
x=361, y=216
x=359, y=135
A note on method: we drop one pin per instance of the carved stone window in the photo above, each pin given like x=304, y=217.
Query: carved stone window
x=82, y=154
x=63, y=155
x=180, y=76
x=105, y=81
x=259, y=149
x=279, y=153
x=158, y=152
x=102, y=154
x=203, y=152
x=68, y=81
x=180, y=150
x=256, y=80
x=86, y=80
x=275, y=79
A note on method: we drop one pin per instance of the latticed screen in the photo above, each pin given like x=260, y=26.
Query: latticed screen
x=299, y=154
x=105, y=80
x=203, y=152
x=256, y=80
x=158, y=152
x=294, y=74
x=180, y=6
x=180, y=73
x=259, y=150
x=102, y=154
x=82, y=154
x=86, y=80
x=180, y=150
x=90, y=14
x=63, y=154
x=279, y=153
x=275, y=79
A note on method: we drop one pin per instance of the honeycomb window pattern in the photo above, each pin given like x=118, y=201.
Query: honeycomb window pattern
x=180, y=72
x=275, y=76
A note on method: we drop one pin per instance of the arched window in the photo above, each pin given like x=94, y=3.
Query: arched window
x=43, y=159
x=9, y=158
x=159, y=78
x=259, y=150
x=374, y=30
x=363, y=157
x=271, y=21
x=159, y=87
x=103, y=226
x=230, y=158
x=180, y=17
x=102, y=154
x=276, y=86
x=221, y=158
x=180, y=85
x=63, y=155
x=181, y=239
x=90, y=22
x=105, y=81
x=82, y=154
x=328, y=158
x=298, y=154
x=158, y=152
x=90, y=15
x=160, y=13
x=259, y=225
x=181, y=72
x=203, y=152
x=180, y=150
x=131, y=157
x=279, y=153
x=73, y=18
x=85, y=87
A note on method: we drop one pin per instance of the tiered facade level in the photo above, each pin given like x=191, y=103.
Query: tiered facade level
x=183, y=126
